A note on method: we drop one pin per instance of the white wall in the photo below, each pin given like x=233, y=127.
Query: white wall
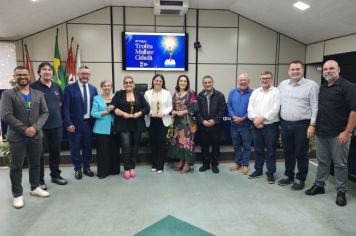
x=231, y=45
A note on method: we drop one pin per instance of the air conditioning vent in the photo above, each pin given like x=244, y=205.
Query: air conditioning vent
x=171, y=3
x=169, y=12
x=170, y=7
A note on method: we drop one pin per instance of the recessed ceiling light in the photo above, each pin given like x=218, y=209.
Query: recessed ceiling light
x=301, y=5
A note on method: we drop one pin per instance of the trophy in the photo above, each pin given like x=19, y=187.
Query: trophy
x=170, y=43
x=157, y=106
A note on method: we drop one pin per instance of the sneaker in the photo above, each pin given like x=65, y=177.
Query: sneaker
x=159, y=171
x=215, y=169
x=270, y=178
x=153, y=169
x=297, y=185
x=255, y=175
x=244, y=170
x=235, y=167
x=285, y=181
x=204, y=168
x=43, y=186
x=18, y=202
x=38, y=192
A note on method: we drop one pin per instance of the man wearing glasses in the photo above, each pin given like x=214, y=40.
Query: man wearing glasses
x=78, y=99
x=25, y=111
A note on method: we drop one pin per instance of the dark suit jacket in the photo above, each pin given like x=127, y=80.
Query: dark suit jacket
x=119, y=101
x=14, y=112
x=73, y=107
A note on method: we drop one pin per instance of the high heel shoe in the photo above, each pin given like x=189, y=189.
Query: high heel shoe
x=180, y=166
x=186, y=168
x=127, y=175
x=133, y=173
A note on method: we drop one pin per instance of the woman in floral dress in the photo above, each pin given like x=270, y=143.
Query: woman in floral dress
x=184, y=106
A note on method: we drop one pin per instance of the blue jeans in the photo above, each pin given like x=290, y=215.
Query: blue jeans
x=238, y=134
x=265, y=140
x=295, y=146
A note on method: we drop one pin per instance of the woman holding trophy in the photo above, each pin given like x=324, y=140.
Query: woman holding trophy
x=130, y=108
x=158, y=120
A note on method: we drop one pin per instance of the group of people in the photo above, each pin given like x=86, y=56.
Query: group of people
x=37, y=112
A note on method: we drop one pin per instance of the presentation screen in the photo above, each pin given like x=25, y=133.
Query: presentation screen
x=155, y=51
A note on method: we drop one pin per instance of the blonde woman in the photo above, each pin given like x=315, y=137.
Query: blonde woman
x=130, y=109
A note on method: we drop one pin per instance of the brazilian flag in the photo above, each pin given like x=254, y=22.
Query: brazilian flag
x=58, y=76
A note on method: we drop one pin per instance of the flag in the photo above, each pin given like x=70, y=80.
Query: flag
x=77, y=62
x=58, y=76
x=28, y=65
x=70, y=69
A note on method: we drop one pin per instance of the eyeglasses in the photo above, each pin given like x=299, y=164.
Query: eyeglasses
x=21, y=75
x=128, y=82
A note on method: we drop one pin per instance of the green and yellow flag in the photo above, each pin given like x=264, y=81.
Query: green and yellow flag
x=58, y=76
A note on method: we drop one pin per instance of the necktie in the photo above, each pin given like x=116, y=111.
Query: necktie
x=85, y=98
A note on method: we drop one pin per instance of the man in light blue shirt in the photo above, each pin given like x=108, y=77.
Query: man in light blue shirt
x=299, y=107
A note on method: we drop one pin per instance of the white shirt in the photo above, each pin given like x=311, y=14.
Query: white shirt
x=266, y=104
x=299, y=101
x=87, y=112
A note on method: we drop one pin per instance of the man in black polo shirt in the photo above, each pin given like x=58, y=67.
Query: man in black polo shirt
x=335, y=122
x=53, y=128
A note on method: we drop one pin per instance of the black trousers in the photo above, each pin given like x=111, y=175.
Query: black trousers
x=129, y=144
x=31, y=148
x=52, y=140
x=157, y=132
x=210, y=137
x=107, y=154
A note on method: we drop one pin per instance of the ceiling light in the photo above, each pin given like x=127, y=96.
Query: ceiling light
x=301, y=6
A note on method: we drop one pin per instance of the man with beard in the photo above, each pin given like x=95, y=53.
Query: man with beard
x=52, y=129
x=335, y=122
x=25, y=111
x=78, y=100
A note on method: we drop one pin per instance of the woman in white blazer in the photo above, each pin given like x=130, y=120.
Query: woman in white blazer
x=158, y=120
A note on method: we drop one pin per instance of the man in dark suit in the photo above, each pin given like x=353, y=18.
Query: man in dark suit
x=78, y=99
x=25, y=111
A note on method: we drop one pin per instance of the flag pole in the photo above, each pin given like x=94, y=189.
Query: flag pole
x=65, y=68
x=75, y=62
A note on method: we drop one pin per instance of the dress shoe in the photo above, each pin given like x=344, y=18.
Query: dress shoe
x=204, y=168
x=127, y=175
x=186, y=168
x=244, y=170
x=132, y=173
x=38, y=192
x=235, y=167
x=78, y=174
x=341, y=199
x=18, y=202
x=215, y=169
x=298, y=185
x=59, y=180
x=88, y=172
x=315, y=189
x=180, y=166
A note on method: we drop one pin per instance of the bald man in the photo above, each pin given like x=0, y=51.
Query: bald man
x=335, y=122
